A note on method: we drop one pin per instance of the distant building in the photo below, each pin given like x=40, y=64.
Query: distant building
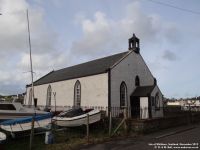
x=173, y=103
x=18, y=98
x=186, y=104
x=121, y=80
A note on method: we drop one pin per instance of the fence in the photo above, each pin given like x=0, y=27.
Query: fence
x=178, y=110
x=115, y=111
x=113, y=123
x=190, y=108
x=132, y=112
x=118, y=115
x=68, y=135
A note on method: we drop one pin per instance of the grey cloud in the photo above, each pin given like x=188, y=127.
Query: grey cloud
x=13, y=29
x=14, y=45
x=8, y=89
x=172, y=33
x=169, y=55
x=105, y=35
x=98, y=37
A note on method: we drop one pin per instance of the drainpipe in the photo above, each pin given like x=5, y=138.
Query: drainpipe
x=109, y=90
x=109, y=102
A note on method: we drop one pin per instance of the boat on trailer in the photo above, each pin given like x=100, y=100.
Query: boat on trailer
x=24, y=124
x=76, y=117
x=16, y=110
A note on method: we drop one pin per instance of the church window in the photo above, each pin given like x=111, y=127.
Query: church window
x=77, y=94
x=49, y=91
x=30, y=97
x=157, y=102
x=123, y=94
x=137, y=81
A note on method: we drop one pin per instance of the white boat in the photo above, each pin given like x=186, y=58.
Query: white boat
x=24, y=124
x=2, y=137
x=16, y=110
x=76, y=117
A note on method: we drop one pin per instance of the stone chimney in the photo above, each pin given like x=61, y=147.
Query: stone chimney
x=134, y=44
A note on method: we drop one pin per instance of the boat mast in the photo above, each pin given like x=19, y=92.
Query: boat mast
x=31, y=65
x=32, y=94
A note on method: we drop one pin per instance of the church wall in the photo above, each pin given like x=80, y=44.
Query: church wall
x=126, y=71
x=94, y=91
x=157, y=112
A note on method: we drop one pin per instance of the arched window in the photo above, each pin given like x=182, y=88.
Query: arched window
x=123, y=94
x=49, y=91
x=157, y=102
x=77, y=94
x=137, y=81
x=30, y=97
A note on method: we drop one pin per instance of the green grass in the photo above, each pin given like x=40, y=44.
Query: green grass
x=63, y=140
x=23, y=143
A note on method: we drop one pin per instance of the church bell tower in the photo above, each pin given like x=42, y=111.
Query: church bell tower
x=134, y=44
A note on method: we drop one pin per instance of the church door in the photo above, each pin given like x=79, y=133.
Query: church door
x=135, y=107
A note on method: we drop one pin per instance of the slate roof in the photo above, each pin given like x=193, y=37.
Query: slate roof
x=85, y=69
x=143, y=90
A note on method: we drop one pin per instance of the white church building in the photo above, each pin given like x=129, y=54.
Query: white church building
x=120, y=80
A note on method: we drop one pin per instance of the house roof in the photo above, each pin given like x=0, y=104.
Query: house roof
x=85, y=69
x=143, y=90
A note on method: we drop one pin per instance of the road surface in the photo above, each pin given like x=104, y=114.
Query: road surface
x=185, y=137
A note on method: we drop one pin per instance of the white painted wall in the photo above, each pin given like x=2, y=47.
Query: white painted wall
x=144, y=112
x=94, y=91
x=126, y=71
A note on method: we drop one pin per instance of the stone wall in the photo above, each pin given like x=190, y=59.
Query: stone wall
x=150, y=125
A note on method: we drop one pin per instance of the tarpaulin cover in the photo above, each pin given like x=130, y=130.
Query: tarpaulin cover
x=26, y=119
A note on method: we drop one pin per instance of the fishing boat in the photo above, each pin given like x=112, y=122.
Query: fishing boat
x=76, y=117
x=16, y=110
x=24, y=124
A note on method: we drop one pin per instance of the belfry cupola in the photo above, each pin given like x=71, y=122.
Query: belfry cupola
x=134, y=44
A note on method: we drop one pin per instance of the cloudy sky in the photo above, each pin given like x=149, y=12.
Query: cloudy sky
x=68, y=32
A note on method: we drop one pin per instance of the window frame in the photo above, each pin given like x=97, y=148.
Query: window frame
x=157, y=101
x=30, y=99
x=49, y=96
x=123, y=88
x=137, y=81
x=153, y=101
x=77, y=95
